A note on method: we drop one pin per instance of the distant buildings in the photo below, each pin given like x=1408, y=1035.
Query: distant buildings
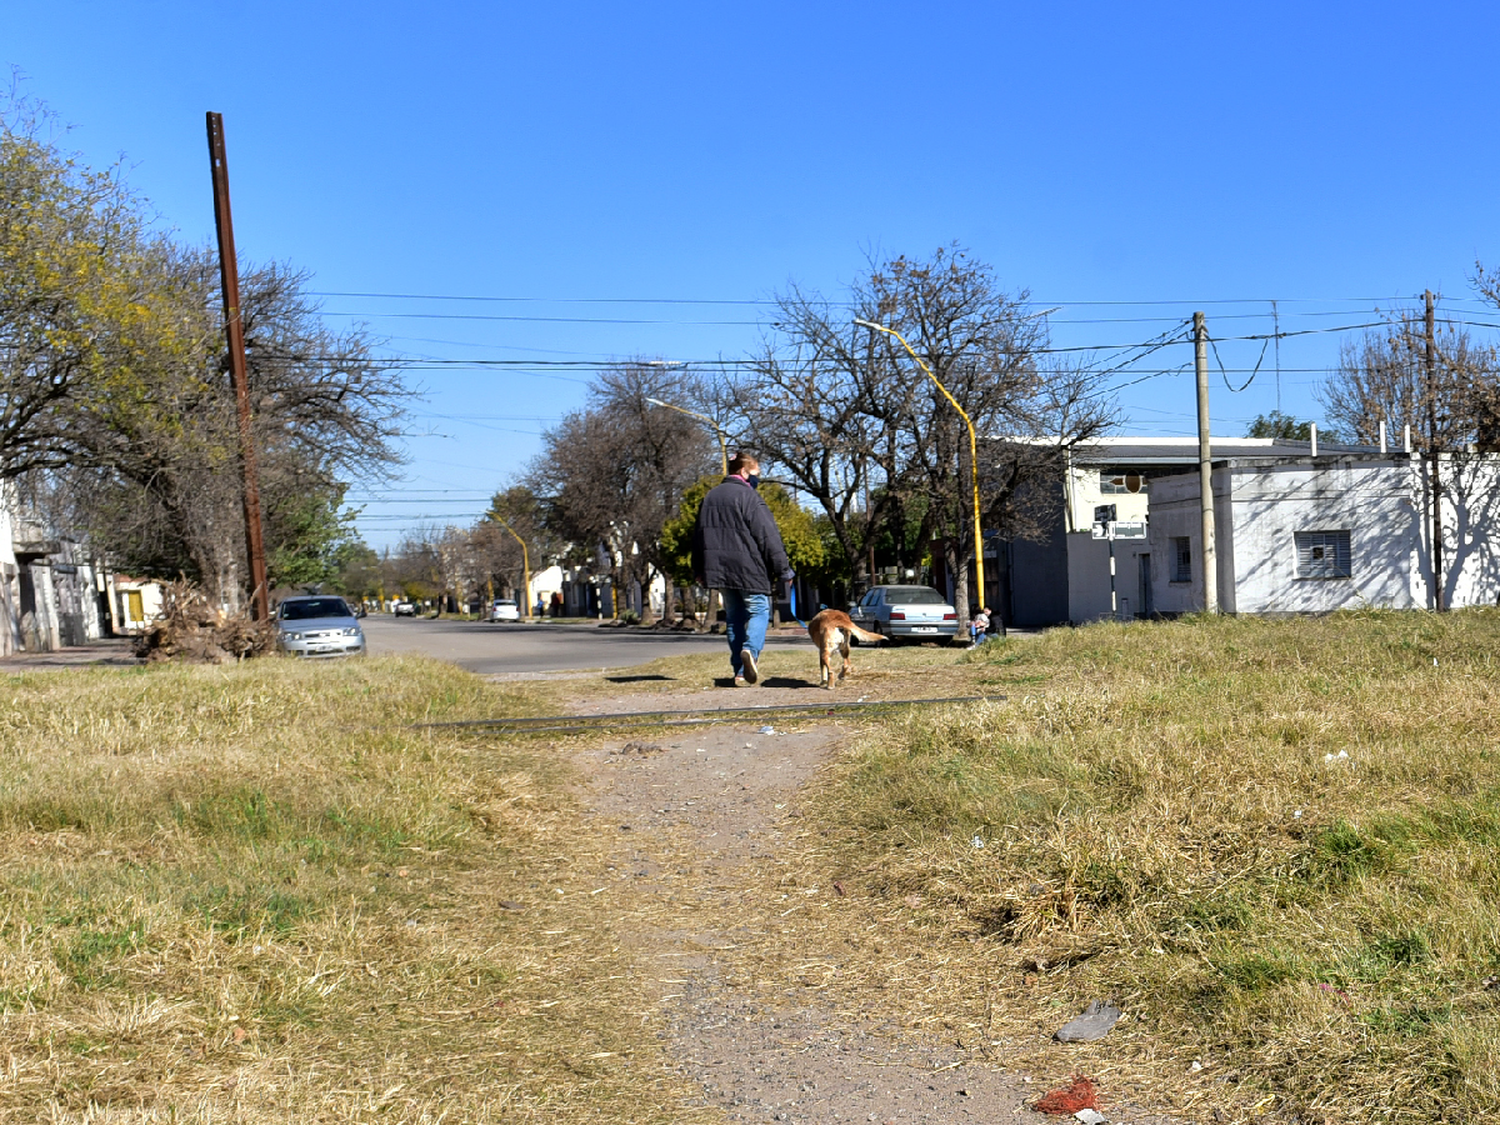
x=52, y=592
x=1295, y=533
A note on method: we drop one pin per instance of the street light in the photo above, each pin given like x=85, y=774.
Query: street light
x=718, y=433
x=973, y=448
x=525, y=562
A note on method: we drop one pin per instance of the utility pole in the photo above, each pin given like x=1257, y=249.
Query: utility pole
x=1205, y=468
x=1432, y=457
x=230, y=278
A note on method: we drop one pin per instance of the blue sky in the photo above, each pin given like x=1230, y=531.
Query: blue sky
x=611, y=167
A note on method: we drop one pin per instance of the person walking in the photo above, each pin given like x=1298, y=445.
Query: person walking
x=737, y=550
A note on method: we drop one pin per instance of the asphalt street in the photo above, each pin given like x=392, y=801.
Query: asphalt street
x=493, y=649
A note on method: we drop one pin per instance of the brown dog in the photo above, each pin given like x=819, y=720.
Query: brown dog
x=831, y=630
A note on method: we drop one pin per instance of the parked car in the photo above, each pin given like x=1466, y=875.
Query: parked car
x=906, y=613
x=319, y=625
x=505, y=610
x=405, y=608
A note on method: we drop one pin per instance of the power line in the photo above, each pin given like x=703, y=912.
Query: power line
x=540, y=319
x=543, y=300
x=774, y=303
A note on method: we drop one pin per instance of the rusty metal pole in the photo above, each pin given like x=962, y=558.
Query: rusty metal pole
x=230, y=278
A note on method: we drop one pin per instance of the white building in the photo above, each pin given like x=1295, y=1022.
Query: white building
x=1065, y=576
x=1303, y=534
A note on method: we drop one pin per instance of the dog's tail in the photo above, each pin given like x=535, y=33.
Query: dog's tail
x=865, y=635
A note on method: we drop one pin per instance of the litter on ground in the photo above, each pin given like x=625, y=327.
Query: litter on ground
x=1069, y=1099
x=1094, y=1023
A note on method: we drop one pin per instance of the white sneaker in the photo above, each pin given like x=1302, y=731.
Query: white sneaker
x=747, y=666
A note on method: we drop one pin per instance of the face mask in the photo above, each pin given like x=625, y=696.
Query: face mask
x=752, y=479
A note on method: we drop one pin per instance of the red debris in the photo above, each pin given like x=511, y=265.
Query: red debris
x=1080, y=1095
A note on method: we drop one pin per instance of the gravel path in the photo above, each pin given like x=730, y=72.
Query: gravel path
x=696, y=813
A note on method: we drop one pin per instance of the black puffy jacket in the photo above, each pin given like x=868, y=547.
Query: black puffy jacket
x=735, y=543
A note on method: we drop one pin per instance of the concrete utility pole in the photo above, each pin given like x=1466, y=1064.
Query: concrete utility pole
x=230, y=278
x=1205, y=468
x=1430, y=360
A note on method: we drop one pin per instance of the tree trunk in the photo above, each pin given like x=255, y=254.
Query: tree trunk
x=221, y=575
x=648, y=616
x=958, y=566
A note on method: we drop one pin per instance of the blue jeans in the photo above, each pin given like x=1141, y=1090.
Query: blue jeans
x=745, y=619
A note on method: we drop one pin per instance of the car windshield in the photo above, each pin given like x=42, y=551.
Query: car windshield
x=305, y=609
x=913, y=595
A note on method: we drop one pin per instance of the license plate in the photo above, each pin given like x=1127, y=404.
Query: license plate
x=925, y=629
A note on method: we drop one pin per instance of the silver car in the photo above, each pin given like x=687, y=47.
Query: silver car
x=906, y=613
x=320, y=625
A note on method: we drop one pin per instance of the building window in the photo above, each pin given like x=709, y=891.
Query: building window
x=1121, y=482
x=1323, y=554
x=1182, y=559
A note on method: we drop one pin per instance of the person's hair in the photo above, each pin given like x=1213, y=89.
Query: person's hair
x=742, y=464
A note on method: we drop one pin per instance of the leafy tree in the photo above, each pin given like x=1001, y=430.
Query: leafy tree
x=82, y=310
x=1286, y=428
x=158, y=479
x=311, y=537
x=114, y=396
x=358, y=572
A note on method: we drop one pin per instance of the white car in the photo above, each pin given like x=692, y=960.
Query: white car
x=505, y=610
x=318, y=627
x=915, y=613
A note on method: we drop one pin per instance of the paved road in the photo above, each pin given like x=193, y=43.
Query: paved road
x=493, y=649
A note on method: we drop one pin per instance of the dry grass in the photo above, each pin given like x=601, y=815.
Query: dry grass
x=256, y=894
x=1272, y=842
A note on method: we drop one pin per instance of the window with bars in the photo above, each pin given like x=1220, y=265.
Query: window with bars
x=1323, y=554
x=1182, y=559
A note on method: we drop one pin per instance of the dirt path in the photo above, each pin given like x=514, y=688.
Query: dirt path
x=699, y=816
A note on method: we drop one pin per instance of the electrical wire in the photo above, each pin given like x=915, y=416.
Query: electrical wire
x=1236, y=390
x=774, y=303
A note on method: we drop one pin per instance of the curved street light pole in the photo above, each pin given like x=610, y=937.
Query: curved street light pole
x=525, y=562
x=973, y=450
x=718, y=433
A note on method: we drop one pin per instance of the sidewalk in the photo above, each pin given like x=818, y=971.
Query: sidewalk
x=114, y=651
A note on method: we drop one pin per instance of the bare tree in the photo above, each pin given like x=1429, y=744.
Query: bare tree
x=1447, y=389
x=613, y=473
x=851, y=422
x=1384, y=376
x=813, y=407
